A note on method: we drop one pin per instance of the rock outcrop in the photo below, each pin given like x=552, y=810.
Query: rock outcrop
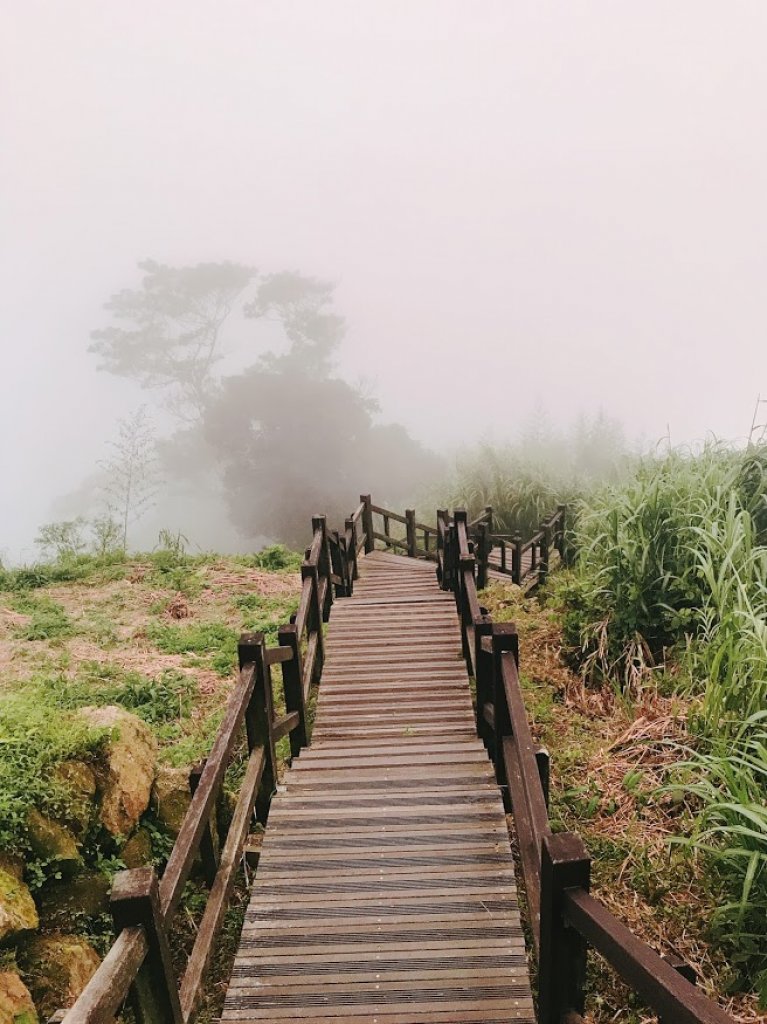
x=171, y=797
x=130, y=757
x=53, y=843
x=138, y=850
x=18, y=914
x=16, y=1006
x=57, y=968
x=78, y=783
x=61, y=901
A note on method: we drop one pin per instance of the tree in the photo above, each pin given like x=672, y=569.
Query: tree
x=301, y=306
x=284, y=436
x=168, y=331
x=62, y=540
x=293, y=445
x=131, y=472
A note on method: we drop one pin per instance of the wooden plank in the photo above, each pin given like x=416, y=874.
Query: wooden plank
x=385, y=889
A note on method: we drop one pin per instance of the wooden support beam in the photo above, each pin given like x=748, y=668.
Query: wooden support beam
x=135, y=902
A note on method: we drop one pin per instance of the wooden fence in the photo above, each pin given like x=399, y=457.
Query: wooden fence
x=138, y=966
x=564, y=918
x=527, y=562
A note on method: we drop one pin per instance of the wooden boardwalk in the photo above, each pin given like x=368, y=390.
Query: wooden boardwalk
x=385, y=889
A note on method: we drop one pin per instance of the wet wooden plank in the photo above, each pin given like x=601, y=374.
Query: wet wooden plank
x=385, y=890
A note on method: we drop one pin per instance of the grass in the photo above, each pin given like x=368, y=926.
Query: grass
x=614, y=781
x=34, y=737
x=87, y=630
x=670, y=594
x=97, y=631
x=47, y=619
x=525, y=480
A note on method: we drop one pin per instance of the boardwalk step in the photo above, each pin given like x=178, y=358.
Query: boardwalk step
x=385, y=891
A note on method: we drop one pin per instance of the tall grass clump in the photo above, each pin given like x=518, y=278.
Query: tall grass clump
x=672, y=570
x=727, y=775
x=649, y=550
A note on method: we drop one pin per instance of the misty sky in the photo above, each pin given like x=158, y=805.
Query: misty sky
x=524, y=204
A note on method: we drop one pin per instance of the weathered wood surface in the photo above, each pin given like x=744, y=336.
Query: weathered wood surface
x=385, y=889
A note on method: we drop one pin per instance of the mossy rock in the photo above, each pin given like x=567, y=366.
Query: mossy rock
x=16, y=1006
x=171, y=797
x=137, y=851
x=18, y=913
x=12, y=864
x=78, y=781
x=130, y=759
x=57, y=969
x=53, y=843
x=62, y=901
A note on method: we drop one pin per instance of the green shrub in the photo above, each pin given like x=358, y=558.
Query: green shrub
x=277, y=557
x=34, y=736
x=159, y=699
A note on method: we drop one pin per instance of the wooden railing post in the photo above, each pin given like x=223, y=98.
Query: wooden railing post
x=293, y=685
x=516, y=559
x=135, y=901
x=208, y=849
x=543, y=568
x=367, y=522
x=685, y=970
x=314, y=617
x=562, y=952
x=442, y=529
x=351, y=529
x=259, y=717
x=505, y=640
x=483, y=626
x=410, y=528
x=324, y=564
x=561, y=534
x=451, y=560
x=338, y=562
x=483, y=554
x=543, y=760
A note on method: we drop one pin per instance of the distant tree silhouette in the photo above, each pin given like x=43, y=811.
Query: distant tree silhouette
x=285, y=437
x=293, y=445
x=168, y=331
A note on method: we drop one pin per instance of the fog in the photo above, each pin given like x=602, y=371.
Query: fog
x=524, y=206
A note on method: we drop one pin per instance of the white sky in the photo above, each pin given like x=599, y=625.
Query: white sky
x=523, y=203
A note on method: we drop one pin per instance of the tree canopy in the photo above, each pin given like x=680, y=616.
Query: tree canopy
x=286, y=437
x=167, y=331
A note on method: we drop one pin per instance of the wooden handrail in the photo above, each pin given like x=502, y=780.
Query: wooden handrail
x=139, y=958
x=390, y=515
x=662, y=986
x=185, y=848
x=564, y=918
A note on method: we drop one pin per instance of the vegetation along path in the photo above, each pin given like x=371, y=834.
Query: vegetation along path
x=385, y=886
